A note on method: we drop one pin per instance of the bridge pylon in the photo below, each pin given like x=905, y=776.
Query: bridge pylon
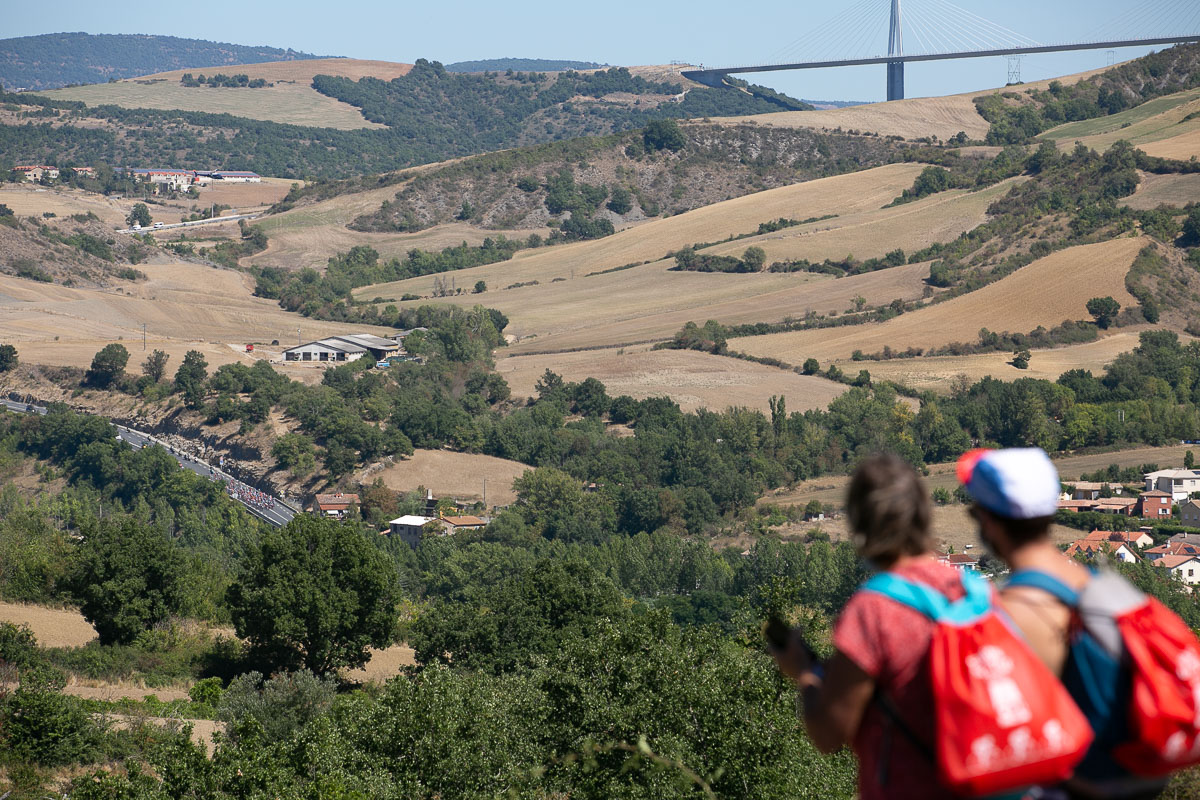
x=895, y=69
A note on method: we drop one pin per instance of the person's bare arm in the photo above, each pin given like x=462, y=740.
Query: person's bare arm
x=1042, y=622
x=833, y=705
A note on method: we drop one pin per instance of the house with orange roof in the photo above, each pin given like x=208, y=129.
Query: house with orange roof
x=1132, y=538
x=1116, y=550
x=1185, y=568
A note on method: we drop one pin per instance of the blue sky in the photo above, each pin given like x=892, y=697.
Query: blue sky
x=621, y=32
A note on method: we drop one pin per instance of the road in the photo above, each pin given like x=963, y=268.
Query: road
x=192, y=224
x=269, y=508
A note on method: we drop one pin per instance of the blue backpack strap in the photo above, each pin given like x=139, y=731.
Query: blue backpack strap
x=1036, y=579
x=932, y=603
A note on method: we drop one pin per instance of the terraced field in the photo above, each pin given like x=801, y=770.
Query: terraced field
x=1151, y=122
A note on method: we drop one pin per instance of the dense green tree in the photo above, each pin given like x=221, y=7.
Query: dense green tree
x=155, y=365
x=315, y=594
x=107, y=366
x=663, y=134
x=190, y=377
x=140, y=215
x=1191, y=227
x=754, y=258
x=1104, y=309
x=8, y=357
x=127, y=577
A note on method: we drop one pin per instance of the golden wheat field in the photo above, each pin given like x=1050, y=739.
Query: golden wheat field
x=940, y=373
x=1155, y=190
x=1046, y=292
x=1183, y=146
x=291, y=100
x=446, y=473
x=691, y=378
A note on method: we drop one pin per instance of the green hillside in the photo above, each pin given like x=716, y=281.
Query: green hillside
x=60, y=59
x=520, y=64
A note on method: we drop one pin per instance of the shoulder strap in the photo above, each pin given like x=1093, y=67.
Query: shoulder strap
x=1037, y=579
x=932, y=603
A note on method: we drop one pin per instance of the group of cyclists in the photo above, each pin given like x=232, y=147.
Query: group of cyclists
x=247, y=494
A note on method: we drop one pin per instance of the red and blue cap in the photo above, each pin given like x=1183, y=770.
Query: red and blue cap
x=1018, y=483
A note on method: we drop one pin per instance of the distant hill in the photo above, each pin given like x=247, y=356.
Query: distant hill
x=52, y=60
x=520, y=64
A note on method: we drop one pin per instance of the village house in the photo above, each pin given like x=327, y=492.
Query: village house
x=1102, y=505
x=1116, y=550
x=1153, y=503
x=37, y=172
x=1090, y=490
x=1185, y=568
x=1189, y=513
x=350, y=347
x=962, y=562
x=451, y=525
x=409, y=528
x=173, y=180
x=1179, y=483
x=334, y=506
x=1131, y=538
x=1172, y=549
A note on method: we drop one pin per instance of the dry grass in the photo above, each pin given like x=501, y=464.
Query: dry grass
x=1173, y=190
x=940, y=374
x=690, y=378
x=1146, y=126
x=53, y=627
x=1046, y=292
x=33, y=201
x=1182, y=146
x=446, y=473
x=383, y=664
x=911, y=118
x=184, y=307
x=291, y=100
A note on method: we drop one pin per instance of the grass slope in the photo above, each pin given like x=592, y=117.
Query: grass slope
x=1144, y=126
x=1046, y=292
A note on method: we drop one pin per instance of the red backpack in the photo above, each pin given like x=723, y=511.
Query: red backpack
x=1002, y=719
x=1164, y=715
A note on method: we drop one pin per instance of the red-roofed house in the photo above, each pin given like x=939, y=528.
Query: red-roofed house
x=334, y=505
x=1172, y=549
x=1132, y=538
x=1093, y=549
x=960, y=561
x=462, y=523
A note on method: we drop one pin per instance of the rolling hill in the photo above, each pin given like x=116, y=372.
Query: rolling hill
x=58, y=59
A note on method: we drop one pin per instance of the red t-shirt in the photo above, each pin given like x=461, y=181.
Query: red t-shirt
x=890, y=642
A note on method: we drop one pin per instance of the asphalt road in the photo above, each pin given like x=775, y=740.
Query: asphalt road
x=170, y=225
x=271, y=510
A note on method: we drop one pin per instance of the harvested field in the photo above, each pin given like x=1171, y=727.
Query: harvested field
x=384, y=664
x=1148, y=123
x=184, y=307
x=292, y=100
x=446, y=473
x=1046, y=292
x=868, y=234
x=1172, y=190
x=650, y=241
x=940, y=373
x=33, y=201
x=911, y=118
x=691, y=378
x=1182, y=146
x=54, y=627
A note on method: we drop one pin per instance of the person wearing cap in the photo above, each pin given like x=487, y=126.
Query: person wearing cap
x=881, y=648
x=1014, y=495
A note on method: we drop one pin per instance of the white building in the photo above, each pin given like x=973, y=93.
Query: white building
x=342, y=349
x=1179, y=483
x=409, y=528
x=1186, y=568
x=234, y=176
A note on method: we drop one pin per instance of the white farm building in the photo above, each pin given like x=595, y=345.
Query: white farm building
x=350, y=347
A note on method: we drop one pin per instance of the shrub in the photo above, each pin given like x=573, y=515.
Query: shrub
x=282, y=704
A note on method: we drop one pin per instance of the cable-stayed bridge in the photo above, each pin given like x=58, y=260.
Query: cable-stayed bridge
x=941, y=30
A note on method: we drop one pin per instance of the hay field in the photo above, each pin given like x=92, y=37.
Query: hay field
x=690, y=378
x=1183, y=146
x=1150, y=122
x=939, y=374
x=866, y=234
x=33, y=201
x=382, y=665
x=184, y=306
x=1173, y=190
x=446, y=473
x=53, y=627
x=292, y=100
x=1046, y=292
x=910, y=118
x=650, y=241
